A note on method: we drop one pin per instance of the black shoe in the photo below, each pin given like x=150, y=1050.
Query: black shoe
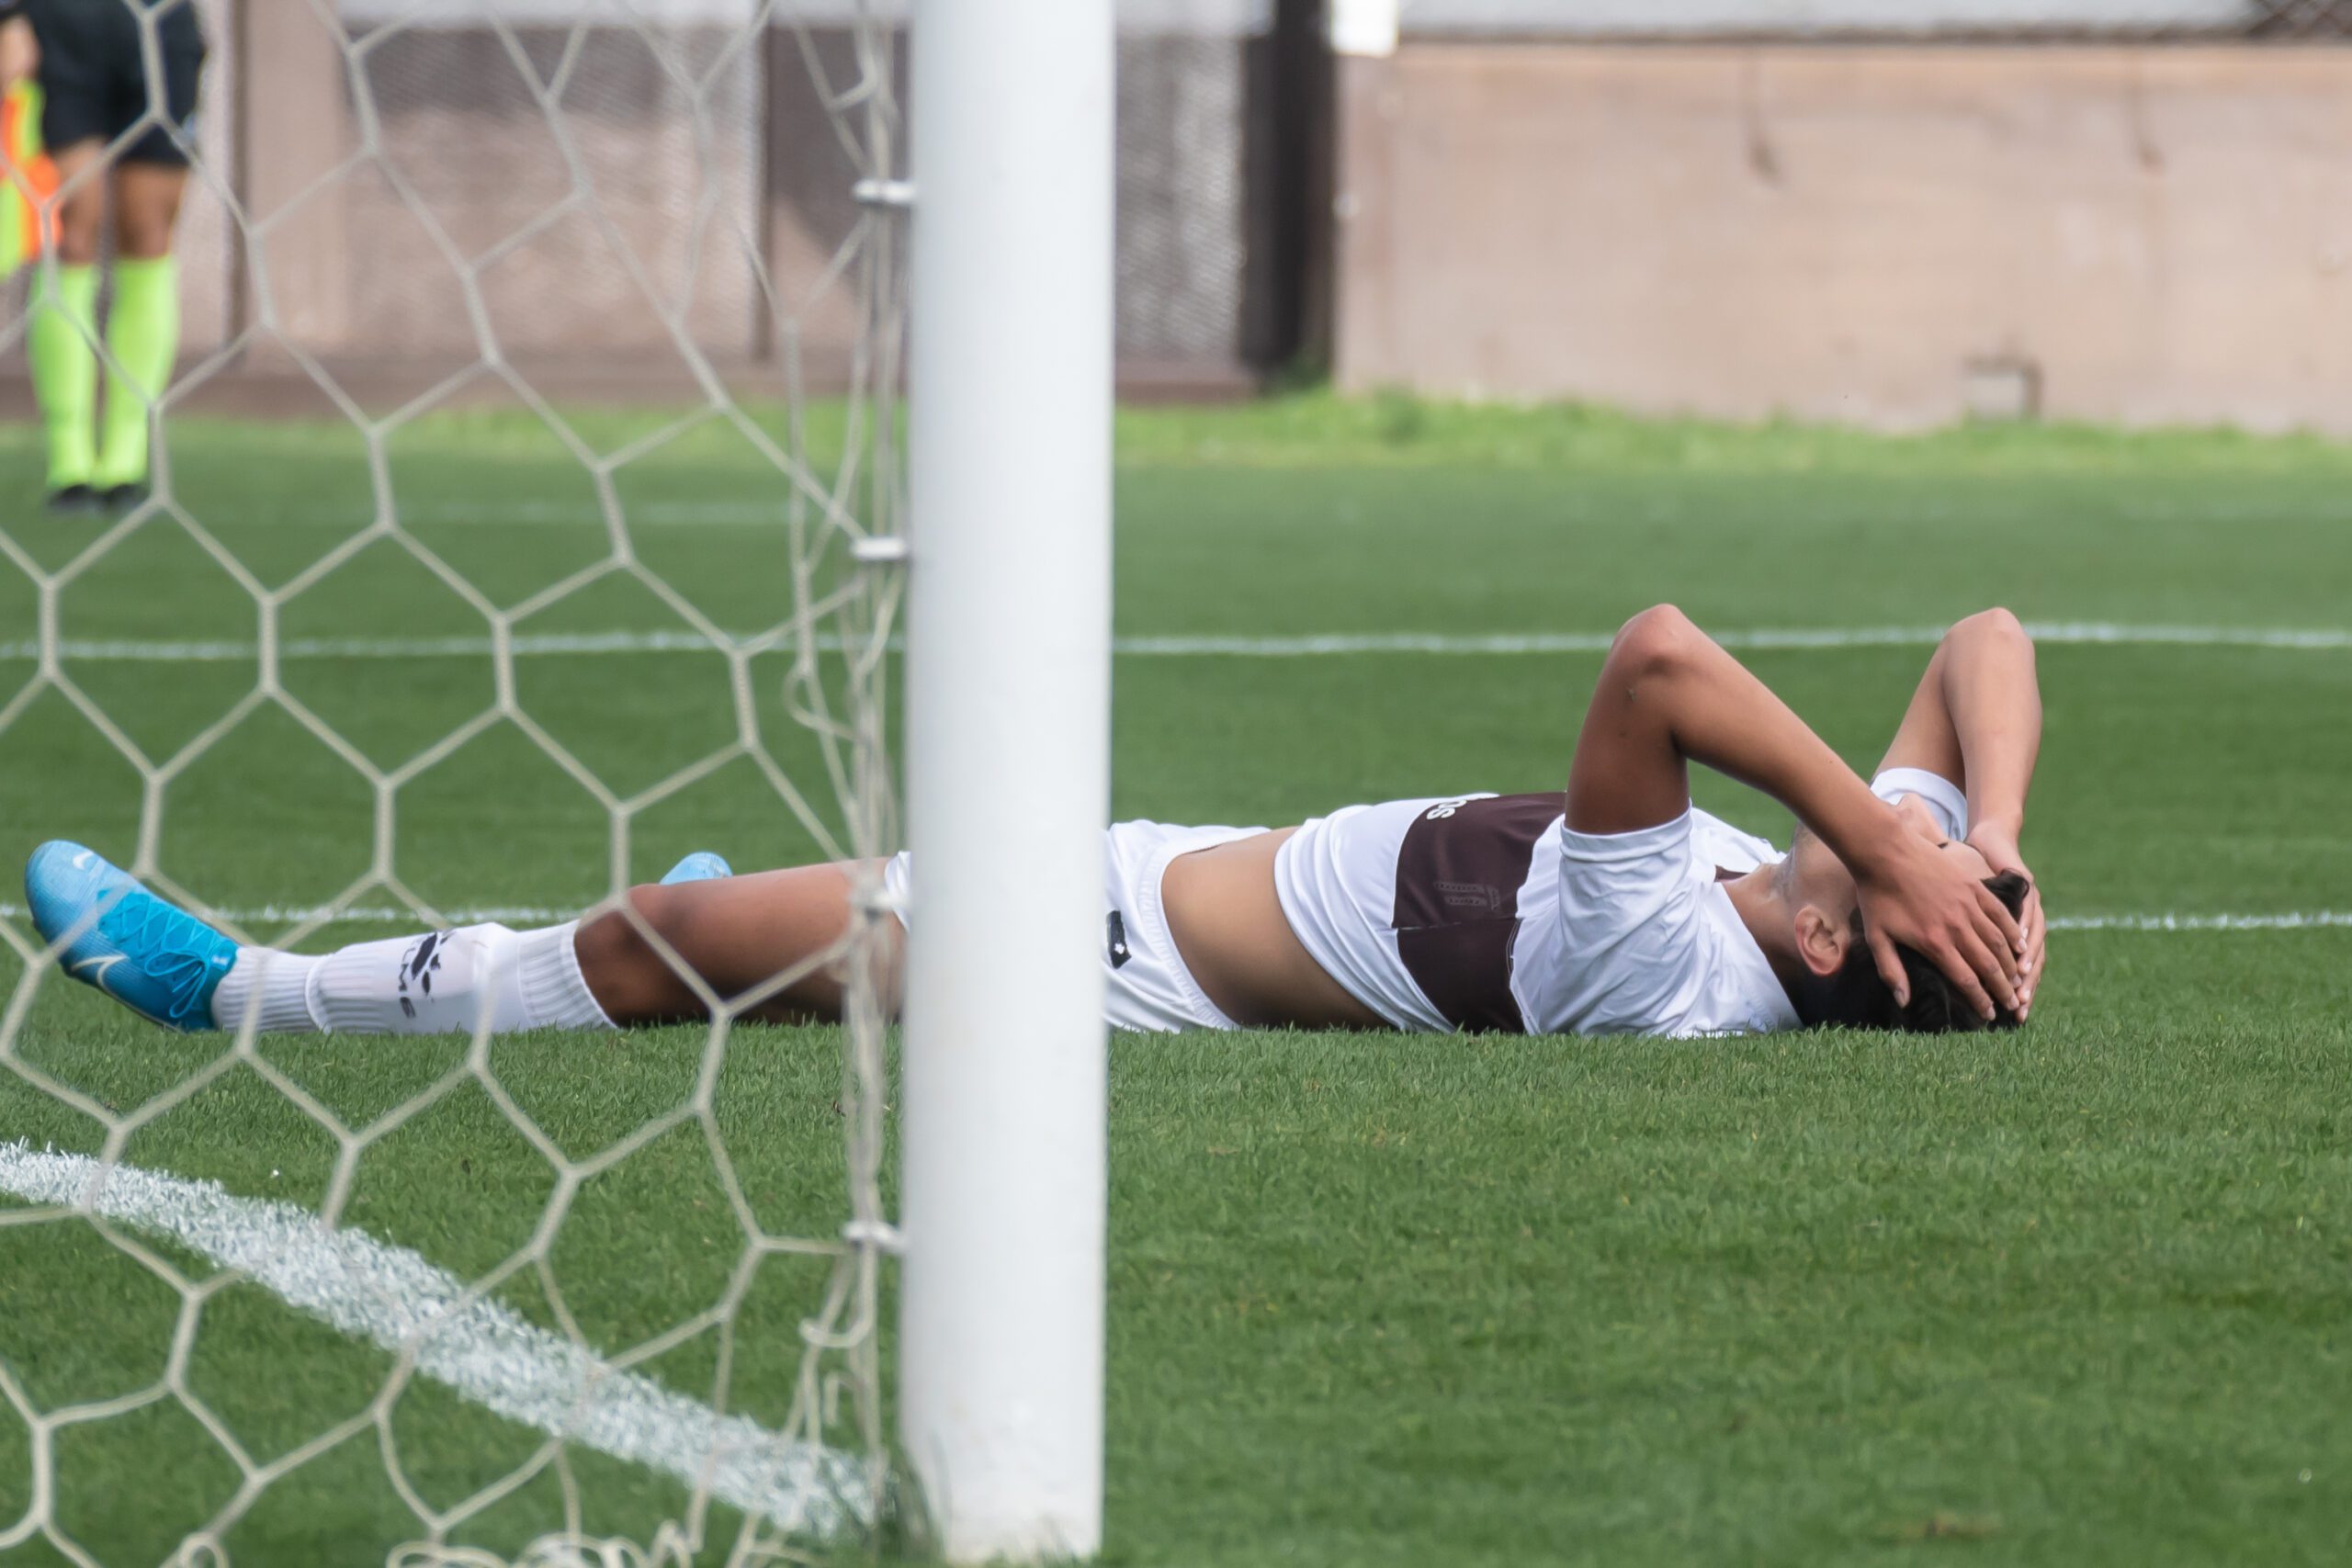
x=74, y=500
x=122, y=497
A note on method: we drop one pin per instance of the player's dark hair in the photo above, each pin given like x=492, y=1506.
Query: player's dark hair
x=1855, y=997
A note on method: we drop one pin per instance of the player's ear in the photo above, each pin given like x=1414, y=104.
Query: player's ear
x=1821, y=942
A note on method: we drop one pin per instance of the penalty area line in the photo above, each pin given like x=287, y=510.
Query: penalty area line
x=483, y=1351
x=1333, y=645
x=545, y=915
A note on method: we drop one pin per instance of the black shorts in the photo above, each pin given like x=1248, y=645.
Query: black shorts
x=93, y=76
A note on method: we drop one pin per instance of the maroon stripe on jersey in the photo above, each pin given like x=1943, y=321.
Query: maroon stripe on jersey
x=1458, y=876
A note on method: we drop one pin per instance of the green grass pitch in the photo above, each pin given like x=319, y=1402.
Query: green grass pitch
x=2077, y=1294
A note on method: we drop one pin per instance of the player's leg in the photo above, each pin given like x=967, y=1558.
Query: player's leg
x=174, y=969
x=61, y=334
x=143, y=325
x=91, y=94
x=738, y=933
x=432, y=983
x=776, y=935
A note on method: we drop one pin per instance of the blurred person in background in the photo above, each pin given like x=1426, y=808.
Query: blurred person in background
x=119, y=119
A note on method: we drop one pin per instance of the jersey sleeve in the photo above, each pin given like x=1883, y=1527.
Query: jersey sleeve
x=1631, y=920
x=1939, y=793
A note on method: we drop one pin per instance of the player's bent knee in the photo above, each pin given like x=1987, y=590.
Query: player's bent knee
x=660, y=921
x=1660, y=623
x=2004, y=621
x=1997, y=623
x=1655, y=640
x=622, y=957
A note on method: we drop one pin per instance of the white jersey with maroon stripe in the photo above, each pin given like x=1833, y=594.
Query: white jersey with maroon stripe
x=1486, y=912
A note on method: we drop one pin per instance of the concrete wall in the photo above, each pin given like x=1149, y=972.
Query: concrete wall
x=373, y=254
x=1877, y=235
x=1810, y=18
x=399, y=210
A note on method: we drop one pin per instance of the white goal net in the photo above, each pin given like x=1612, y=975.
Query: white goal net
x=525, y=516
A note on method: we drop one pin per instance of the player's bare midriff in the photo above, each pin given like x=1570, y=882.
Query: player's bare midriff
x=1227, y=923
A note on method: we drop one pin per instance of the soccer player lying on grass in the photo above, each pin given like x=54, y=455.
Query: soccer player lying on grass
x=1616, y=906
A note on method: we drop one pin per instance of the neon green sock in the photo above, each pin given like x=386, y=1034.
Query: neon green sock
x=58, y=342
x=143, y=336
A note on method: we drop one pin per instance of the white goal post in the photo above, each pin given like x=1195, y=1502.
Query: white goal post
x=689, y=208
x=1008, y=683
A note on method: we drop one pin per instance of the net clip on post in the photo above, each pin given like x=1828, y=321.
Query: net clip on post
x=879, y=549
x=879, y=1235
x=876, y=900
x=895, y=194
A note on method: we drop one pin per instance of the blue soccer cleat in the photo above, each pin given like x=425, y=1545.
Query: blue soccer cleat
x=700, y=867
x=154, y=958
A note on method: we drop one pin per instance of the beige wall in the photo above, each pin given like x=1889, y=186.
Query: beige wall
x=2164, y=234
x=587, y=230
x=395, y=216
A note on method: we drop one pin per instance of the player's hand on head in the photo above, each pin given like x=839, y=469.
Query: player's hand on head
x=1916, y=896
x=1999, y=848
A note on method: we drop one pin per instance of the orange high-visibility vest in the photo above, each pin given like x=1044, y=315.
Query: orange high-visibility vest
x=27, y=181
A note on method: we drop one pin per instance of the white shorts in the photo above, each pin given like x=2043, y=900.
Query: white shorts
x=1148, y=986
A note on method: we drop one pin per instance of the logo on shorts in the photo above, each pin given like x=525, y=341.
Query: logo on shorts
x=1120, y=950
x=419, y=964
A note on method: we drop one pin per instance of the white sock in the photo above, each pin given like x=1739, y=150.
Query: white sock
x=441, y=982
x=282, y=979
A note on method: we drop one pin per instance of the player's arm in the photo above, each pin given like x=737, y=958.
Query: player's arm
x=1668, y=696
x=1976, y=720
x=19, y=52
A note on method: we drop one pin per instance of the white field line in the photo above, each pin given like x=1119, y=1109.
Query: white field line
x=232, y=651
x=2067, y=633
x=1310, y=646
x=638, y=514
x=2311, y=919
x=393, y=1298
x=546, y=915
x=771, y=513
x=663, y=513
x=365, y=914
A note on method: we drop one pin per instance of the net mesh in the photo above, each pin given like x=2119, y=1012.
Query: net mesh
x=452, y=606
x=439, y=81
